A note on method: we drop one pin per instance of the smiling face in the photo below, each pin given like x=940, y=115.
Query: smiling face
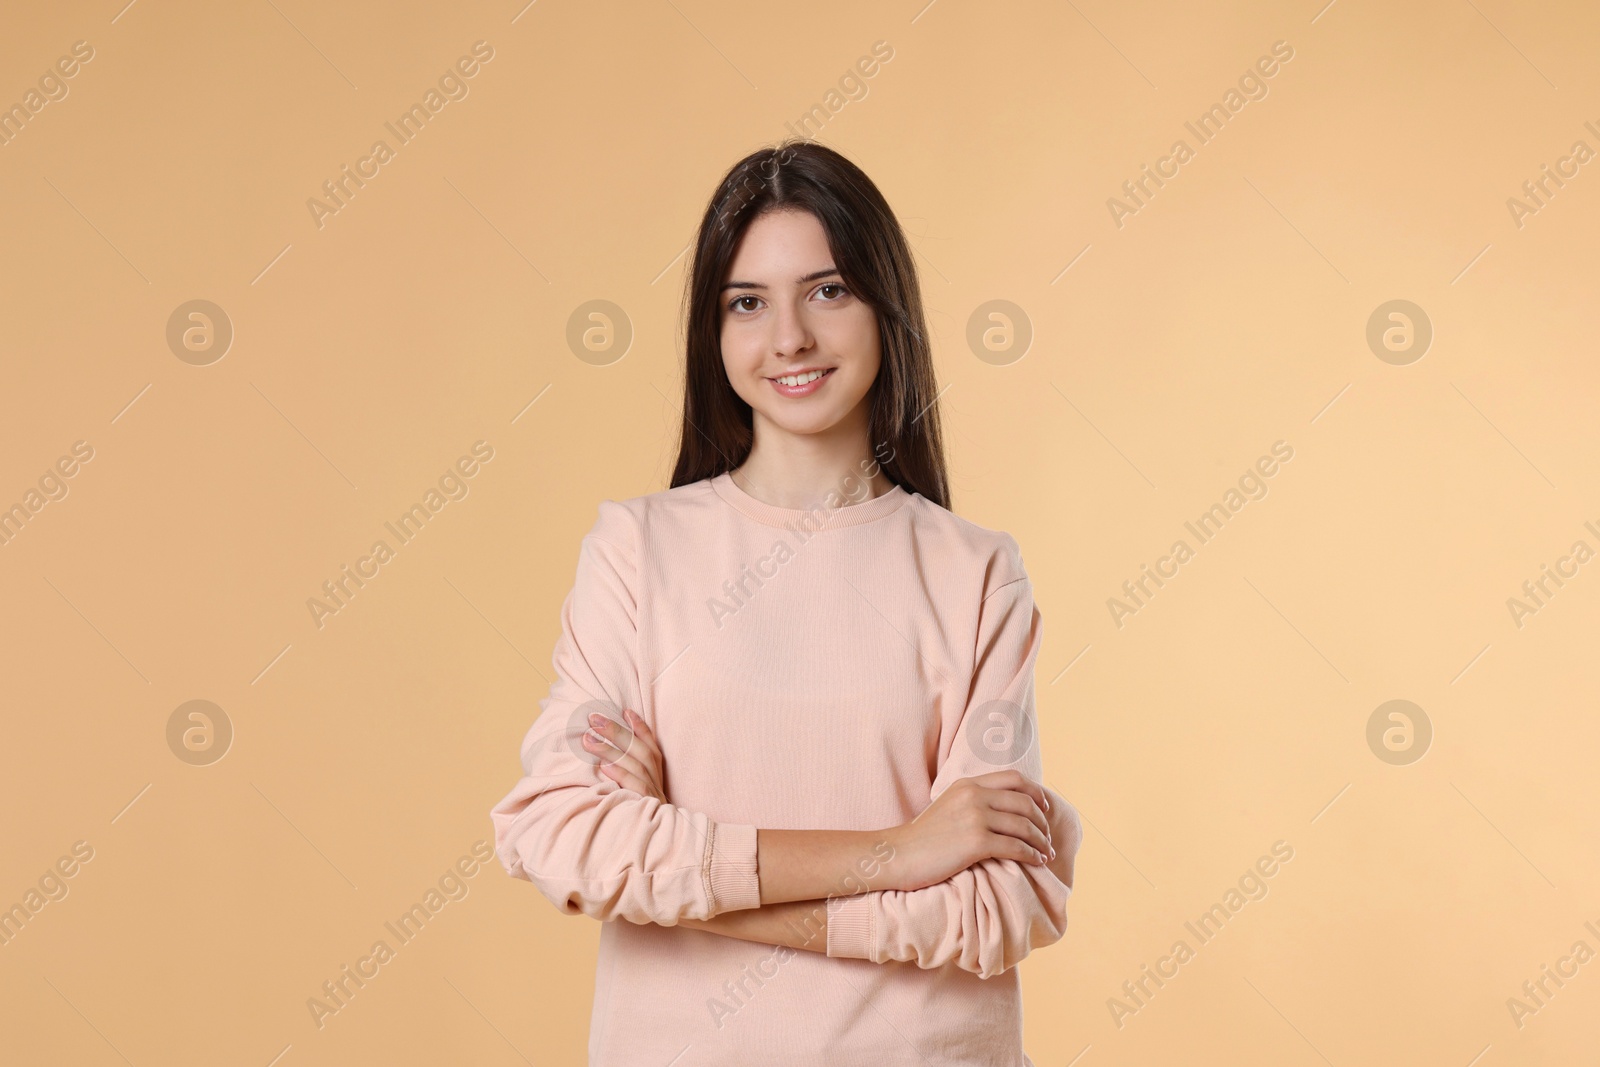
x=785, y=311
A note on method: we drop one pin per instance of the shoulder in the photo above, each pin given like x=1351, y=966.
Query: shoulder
x=625, y=523
x=993, y=554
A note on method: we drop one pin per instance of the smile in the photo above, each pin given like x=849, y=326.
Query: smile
x=801, y=384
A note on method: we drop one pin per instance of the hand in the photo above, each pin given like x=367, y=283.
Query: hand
x=629, y=756
x=990, y=816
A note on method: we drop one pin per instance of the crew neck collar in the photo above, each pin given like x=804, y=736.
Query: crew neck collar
x=822, y=516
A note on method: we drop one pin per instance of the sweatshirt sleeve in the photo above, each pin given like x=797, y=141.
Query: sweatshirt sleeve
x=986, y=918
x=590, y=845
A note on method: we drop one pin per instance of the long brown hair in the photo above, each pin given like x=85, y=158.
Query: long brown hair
x=874, y=259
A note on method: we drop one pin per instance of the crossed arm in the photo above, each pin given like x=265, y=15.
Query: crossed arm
x=794, y=909
x=799, y=871
x=960, y=884
x=802, y=922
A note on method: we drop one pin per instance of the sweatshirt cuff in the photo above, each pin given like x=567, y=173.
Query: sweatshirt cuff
x=850, y=927
x=730, y=872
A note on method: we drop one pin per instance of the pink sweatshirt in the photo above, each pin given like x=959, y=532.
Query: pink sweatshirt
x=835, y=668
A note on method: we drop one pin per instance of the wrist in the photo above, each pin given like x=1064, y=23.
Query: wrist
x=816, y=864
x=884, y=848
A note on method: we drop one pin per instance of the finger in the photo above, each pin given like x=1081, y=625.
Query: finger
x=627, y=762
x=1006, y=847
x=1033, y=789
x=641, y=769
x=650, y=754
x=1015, y=779
x=1021, y=828
x=646, y=736
x=1020, y=804
x=627, y=738
x=628, y=780
x=618, y=737
x=613, y=731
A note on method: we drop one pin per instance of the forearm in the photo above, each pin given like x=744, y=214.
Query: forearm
x=798, y=870
x=801, y=924
x=806, y=865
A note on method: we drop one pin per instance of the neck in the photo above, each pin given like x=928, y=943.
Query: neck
x=800, y=472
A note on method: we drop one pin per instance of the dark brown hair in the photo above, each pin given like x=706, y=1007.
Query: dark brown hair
x=874, y=259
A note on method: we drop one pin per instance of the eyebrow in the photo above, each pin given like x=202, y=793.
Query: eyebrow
x=813, y=276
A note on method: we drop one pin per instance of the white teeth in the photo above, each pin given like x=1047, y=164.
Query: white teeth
x=800, y=379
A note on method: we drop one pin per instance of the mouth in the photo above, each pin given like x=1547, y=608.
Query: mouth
x=802, y=379
x=805, y=383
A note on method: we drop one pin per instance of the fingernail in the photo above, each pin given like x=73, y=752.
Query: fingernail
x=1047, y=802
x=590, y=735
x=597, y=720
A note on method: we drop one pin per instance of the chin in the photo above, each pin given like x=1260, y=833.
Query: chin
x=813, y=425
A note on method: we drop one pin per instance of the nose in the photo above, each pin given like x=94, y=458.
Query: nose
x=790, y=333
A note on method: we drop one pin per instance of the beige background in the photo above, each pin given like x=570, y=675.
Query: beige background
x=368, y=354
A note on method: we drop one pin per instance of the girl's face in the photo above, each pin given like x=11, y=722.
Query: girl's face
x=786, y=311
